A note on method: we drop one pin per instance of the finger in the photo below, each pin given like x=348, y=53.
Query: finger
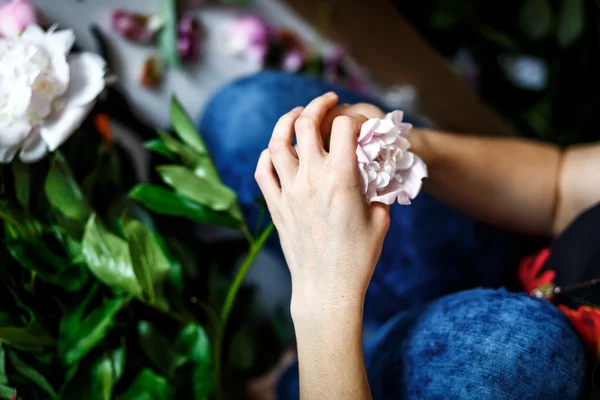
x=266, y=179
x=281, y=152
x=381, y=215
x=307, y=126
x=344, y=137
x=364, y=109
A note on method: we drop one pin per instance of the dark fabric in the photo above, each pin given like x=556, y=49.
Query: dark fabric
x=575, y=256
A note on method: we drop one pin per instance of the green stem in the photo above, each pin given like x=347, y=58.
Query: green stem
x=255, y=248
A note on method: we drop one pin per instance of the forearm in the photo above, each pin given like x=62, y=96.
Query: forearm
x=507, y=182
x=330, y=354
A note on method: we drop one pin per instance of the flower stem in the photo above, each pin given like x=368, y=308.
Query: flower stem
x=255, y=248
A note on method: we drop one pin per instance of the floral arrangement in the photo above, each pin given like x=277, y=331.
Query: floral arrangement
x=100, y=297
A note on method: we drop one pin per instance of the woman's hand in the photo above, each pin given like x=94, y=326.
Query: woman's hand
x=330, y=237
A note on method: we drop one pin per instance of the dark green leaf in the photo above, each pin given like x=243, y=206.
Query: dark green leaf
x=92, y=330
x=31, y=374
x=203, y=191
x=570, y=23
x=35, y=256
x=22, y=176
x=148, y=386
x=3, y=377
x=242, y=349
x=194, y=344
x=72, y=318
x=158, y=146
x=442, y=19
x=261, y=202
x=93, y=381
x=108, y=258
x=63, y=192
x=149, y=262
x=31, y=338
x=184, y=127
x=536, y=18
x=499, y=38
x=166, y=202
x=167, y=38
x=118, y=357
x=158, y=349
x=202, y=382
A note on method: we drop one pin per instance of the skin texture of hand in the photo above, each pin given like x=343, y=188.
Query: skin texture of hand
x=330, y=237
x=331, y=240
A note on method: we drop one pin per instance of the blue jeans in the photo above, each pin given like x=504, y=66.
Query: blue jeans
x=422, y=341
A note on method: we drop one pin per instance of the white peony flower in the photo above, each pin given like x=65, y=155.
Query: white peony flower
x=45, y=93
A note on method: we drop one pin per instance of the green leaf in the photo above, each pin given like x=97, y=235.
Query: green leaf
x=184, y=127
x=570, y=23
x=499, y=38
x=31, y=374
x=30, y=338
x=3, y=377
x=148, y=386
x=108, y=258
x=201, y=163
x=536, y=18
x=150, y=264
x=93, y=381
x=167, y=38
x=22, y=176
x=35, y=256
x=63, y=192
x=92, y=330
x=118, y=358
x=158, y=146
x=203, y=382
x=166, y=202
x=203, y=191
x=242, y=349
x=6, y=392
x=158, y=349
x=193, y=342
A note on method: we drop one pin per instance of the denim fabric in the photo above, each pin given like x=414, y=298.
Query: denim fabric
x=477, y=344
x=430, y=249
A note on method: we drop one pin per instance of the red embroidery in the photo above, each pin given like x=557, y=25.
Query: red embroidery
x=529, y=271
x=587, y=322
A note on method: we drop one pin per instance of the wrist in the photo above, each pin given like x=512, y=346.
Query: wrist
x=325, y=311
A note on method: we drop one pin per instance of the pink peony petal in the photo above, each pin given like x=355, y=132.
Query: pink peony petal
x=189, y=37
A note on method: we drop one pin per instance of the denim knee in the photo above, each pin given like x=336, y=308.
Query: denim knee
x=479, y=344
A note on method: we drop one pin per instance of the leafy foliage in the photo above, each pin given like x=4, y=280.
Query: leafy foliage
x=95, y=284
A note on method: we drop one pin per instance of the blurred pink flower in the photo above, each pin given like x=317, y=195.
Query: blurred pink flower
x=331, y=64
x=15, y=16
x=137, y=28
x=294, y=52
x=389, y=172
x=189, y=35
x=250, y=37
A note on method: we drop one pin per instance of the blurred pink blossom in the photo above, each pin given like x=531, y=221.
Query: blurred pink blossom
x=189, y=35
x=250, y=37
x=294, y=51
x=137, y=28
x=17, y=15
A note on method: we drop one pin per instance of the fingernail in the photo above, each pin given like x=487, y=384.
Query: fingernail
x=298, y=109
x=330, y=94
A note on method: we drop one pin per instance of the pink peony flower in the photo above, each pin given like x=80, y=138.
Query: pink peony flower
x=388, y=170
x=15, y=16
x=250, y=37
x=136, y=28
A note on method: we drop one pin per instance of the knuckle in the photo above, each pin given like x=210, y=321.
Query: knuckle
x=276, y=146
x=344, y=121
x=304, y=122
